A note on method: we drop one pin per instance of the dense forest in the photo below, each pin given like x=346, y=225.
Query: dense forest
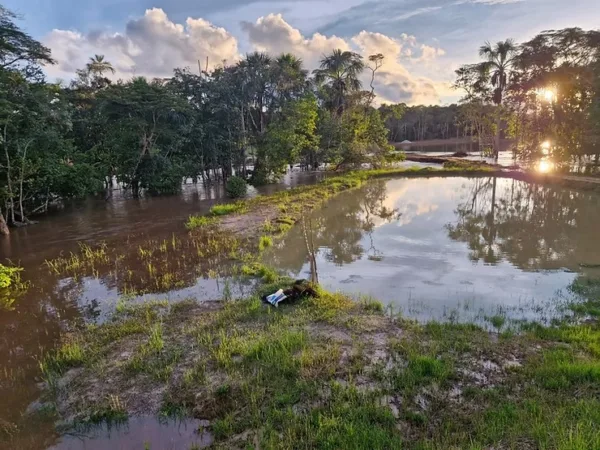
x=262, y=113
x=265, y=112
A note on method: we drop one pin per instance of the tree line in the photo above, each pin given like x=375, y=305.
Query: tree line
x=543, y=94
x=421, y=122
x=252, y=119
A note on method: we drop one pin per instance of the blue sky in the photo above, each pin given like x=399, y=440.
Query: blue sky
x=455, y=27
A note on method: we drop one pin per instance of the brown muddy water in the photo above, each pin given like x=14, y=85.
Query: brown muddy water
x=452, y=248
x=55, y=304
x=437, y=248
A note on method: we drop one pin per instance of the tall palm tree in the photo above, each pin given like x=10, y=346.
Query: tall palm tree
x=499, y=60
x=98, y=66
x=340, y=72
x=290, y=78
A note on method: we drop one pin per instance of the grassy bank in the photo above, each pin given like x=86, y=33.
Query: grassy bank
x=328, y=372
x=275, y=214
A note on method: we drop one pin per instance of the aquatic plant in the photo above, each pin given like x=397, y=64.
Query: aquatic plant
x=194, y=222
x=227, y=208
x=11, y=286
x=264, y=242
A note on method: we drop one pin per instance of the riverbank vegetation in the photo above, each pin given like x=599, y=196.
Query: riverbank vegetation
x=253, y=119
x=328, y=371
x=331, y=372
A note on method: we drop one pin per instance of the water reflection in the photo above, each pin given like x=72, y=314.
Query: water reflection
x=447, y=247
x=140, y=432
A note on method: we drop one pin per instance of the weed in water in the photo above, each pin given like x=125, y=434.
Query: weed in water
x=370, y=304
x=264, y=242
x=227, y=294
x=497, y=321
x=194, y=222
x=227, y=208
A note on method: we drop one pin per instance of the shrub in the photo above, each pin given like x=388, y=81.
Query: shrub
x=236, y=187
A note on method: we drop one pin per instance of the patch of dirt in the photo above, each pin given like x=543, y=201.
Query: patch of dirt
x=250, y=223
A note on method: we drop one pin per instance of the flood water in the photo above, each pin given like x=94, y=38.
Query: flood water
x=452, y=248
x=435, y=248
x=54, y=304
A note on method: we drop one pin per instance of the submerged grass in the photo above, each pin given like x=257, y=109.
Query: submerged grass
x=228, y=208
x=194, y=222
x=329, y=372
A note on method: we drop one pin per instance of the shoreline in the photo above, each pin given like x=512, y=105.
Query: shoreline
x=328, y=372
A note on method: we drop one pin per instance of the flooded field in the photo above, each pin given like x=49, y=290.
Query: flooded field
x=142, y=237
x=452, y=248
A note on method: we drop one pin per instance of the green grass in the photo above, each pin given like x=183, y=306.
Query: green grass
x=70, y=354
x=497, y=321
x=370, y=304
x=194, y=222
x=228, y=208
x=264, y=242
x=110, y=412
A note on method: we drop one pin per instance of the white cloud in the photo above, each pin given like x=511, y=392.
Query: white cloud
x=394, y=82
x=151, y=46
x=274, y=35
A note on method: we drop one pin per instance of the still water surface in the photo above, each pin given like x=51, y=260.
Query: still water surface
x=443, y=248
x=452, y=248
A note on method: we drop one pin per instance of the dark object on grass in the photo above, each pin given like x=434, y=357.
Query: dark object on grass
x=460, y=154
x=300, y=289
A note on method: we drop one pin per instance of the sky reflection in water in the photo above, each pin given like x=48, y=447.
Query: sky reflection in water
x=437, y=249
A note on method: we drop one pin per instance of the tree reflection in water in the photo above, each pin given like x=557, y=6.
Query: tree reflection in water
x=533, y=227
x=339, y=227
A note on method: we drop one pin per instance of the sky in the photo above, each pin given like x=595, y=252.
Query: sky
x=423, y=41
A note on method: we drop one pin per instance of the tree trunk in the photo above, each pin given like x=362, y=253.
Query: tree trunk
x=497, y=143
x=21, y=180
x=8, y=178
x=4, y=231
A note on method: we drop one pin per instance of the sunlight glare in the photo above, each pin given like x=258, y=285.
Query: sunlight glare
x=547, y=95
x=546, y=147
x=545, y=166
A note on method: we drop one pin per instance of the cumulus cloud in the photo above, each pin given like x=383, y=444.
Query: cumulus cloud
x=151, y=45
x=274, y=35
x=394, y=82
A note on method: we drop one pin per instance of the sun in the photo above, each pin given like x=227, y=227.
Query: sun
x=548, y=95
x=546, y=147
x=545, y=166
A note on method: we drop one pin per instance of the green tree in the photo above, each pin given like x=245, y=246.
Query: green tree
x=494, y=70
x=146, y=126
x=291, y=134
x=17, y=47
x=338, y=77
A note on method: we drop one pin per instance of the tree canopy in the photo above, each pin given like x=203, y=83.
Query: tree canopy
x=252, y=119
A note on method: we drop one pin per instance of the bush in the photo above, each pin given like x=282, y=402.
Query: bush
x=236, y=187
